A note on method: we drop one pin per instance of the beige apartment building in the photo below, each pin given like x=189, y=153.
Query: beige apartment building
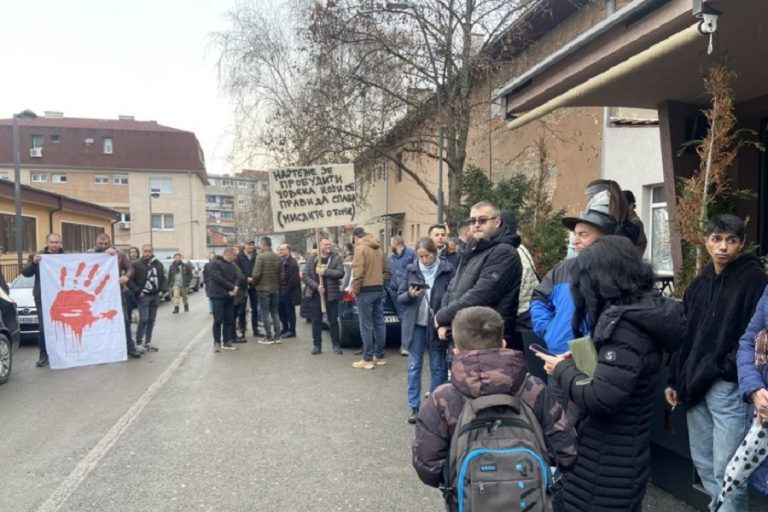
x=152, y=175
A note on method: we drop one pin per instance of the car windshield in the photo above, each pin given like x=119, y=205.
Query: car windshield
x=23, y=282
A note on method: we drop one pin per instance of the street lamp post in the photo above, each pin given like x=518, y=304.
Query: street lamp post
x=402, y=6
x=153, y=194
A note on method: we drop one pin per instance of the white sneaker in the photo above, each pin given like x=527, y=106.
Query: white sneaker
x=265, y=341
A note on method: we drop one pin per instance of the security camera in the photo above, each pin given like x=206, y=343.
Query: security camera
x=708, y=23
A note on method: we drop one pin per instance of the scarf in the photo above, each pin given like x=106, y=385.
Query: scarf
x=429, y=272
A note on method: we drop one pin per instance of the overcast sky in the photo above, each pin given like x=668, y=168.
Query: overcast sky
x=147, y=58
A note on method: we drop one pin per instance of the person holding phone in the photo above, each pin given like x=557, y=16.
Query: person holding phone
x=420, y=294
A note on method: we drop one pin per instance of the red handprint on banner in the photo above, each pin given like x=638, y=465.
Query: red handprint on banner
x=72, y=306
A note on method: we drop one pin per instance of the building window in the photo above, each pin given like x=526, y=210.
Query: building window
x=100, y=179
x=55, y=139
x=227, y=215
x=39, y=177
x=79, y=237
x=8, y=233
x=107, y=145
x=3, y=176
x=160, y=185
x=125, y=217
x=162, y=221
x=120, y=179
x=661, y=246
x=37, y=141
x=58, y=178
x=242, y=184
x=264, y=187
x=242, y=201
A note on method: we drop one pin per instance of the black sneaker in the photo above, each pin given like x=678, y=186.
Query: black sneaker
x=150, y=347
x=134, y=354
x=175, y=310
x=414, y=415
x=287, y=335
x=43, y=361
x=316, y=350
x=186, y=308
x=228, y=346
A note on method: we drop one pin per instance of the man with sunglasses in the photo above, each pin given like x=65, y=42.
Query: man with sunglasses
x=488, y=275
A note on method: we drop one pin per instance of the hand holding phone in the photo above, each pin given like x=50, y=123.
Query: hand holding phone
x=541, y=350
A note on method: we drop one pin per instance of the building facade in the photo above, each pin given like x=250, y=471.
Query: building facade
x=237, y=208
x=153, y=176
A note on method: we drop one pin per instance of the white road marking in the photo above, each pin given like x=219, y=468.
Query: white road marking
x=92, y=459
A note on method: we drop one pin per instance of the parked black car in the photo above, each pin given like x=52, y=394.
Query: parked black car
x=9, y=335
x=348, y=319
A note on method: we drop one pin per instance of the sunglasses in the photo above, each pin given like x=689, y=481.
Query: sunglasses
x=480, y=221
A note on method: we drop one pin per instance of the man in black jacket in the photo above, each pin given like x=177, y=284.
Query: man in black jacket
x=222, y=284
x=488, y=275
x=32, y=268
x=718, y=306
x=245, y=259
x=322, y=276
x=289, y=295
x=147, y=283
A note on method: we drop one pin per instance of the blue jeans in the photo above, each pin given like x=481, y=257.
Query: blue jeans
x=147, y=305
x=716, y=427
x=370, y=312
x=438, y=367
x=269, y=316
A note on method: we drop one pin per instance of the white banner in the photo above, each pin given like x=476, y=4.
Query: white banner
x=312, y=197
x=82, y=309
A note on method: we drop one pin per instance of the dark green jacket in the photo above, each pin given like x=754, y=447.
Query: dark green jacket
x=266, y=272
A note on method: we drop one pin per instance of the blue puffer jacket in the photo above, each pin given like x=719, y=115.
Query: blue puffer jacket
x=752, y=378
x=397, y=265
x=411, y=304
x=552, y=307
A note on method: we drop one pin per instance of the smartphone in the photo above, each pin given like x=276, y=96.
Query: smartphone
x=538, y=348
x=419, y=286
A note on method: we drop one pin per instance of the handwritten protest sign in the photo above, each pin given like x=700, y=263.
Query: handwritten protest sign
x=312, y=197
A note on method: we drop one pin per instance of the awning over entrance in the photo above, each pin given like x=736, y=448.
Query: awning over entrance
x=646, y=53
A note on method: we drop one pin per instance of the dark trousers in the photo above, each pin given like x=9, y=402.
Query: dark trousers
x=223, y=319
x=254, y=302
x=129, y=304
x=41, y=331
x=147, y=314
x=316, y=315
x=287, y=312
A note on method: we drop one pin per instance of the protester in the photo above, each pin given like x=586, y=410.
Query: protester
x=551, y=303
x=719, y=304
x=398, y=260
x=368, y=286
x=421, y=292
x=607, y=194
x=266, y=281
x=439, y=235
x=484, y=366
x=32, y=269
x=642, y=240
x=179, y=277
x=222, y=285
x=289, y=295
x=612, y=289
x=246, y=259
x=125, y=268
x=240, y=299
x=528, y=282
x=147, y=284
x=322, y=276
x=489, y=273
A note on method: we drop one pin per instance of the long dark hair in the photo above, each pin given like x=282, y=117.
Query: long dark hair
x=609, y=271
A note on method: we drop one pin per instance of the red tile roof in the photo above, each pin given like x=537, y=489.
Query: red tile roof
x=137, y=145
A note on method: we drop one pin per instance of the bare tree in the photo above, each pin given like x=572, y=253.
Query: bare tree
x=368, y=81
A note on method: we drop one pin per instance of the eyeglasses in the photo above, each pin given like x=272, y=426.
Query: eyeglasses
x=480, y=221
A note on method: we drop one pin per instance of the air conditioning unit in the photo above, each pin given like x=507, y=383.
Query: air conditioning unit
x=36, y=152
x=124, y=225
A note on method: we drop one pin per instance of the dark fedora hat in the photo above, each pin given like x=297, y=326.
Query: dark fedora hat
x=603, y=221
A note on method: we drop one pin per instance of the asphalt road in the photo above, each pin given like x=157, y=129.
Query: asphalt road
x=262, y=428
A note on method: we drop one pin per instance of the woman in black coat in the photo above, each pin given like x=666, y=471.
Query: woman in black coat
x=631, y=325
x=421, y=293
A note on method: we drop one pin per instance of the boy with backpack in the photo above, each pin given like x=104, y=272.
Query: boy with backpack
x=489, y=437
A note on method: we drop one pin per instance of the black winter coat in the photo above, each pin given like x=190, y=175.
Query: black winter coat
x=221, y=277
x=489, y=275
x=290, y=279
x=413, y=304
x=139, y=278
x=718, y=308
x=614, y=409
x=33, y=269
x=334, y=271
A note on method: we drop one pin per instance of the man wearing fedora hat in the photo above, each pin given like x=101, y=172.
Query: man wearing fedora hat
x=551, y=304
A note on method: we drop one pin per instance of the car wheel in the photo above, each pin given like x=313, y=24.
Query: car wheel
x=6, y=359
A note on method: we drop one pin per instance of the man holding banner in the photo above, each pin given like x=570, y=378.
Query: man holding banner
x=321, y=278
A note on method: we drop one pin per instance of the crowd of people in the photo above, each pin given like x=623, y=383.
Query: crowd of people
x=466, y=301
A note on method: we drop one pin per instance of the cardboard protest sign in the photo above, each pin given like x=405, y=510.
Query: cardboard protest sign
x=82, y=309
x=312, y=197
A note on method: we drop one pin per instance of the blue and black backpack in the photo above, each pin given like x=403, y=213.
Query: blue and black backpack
x=499, y=459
